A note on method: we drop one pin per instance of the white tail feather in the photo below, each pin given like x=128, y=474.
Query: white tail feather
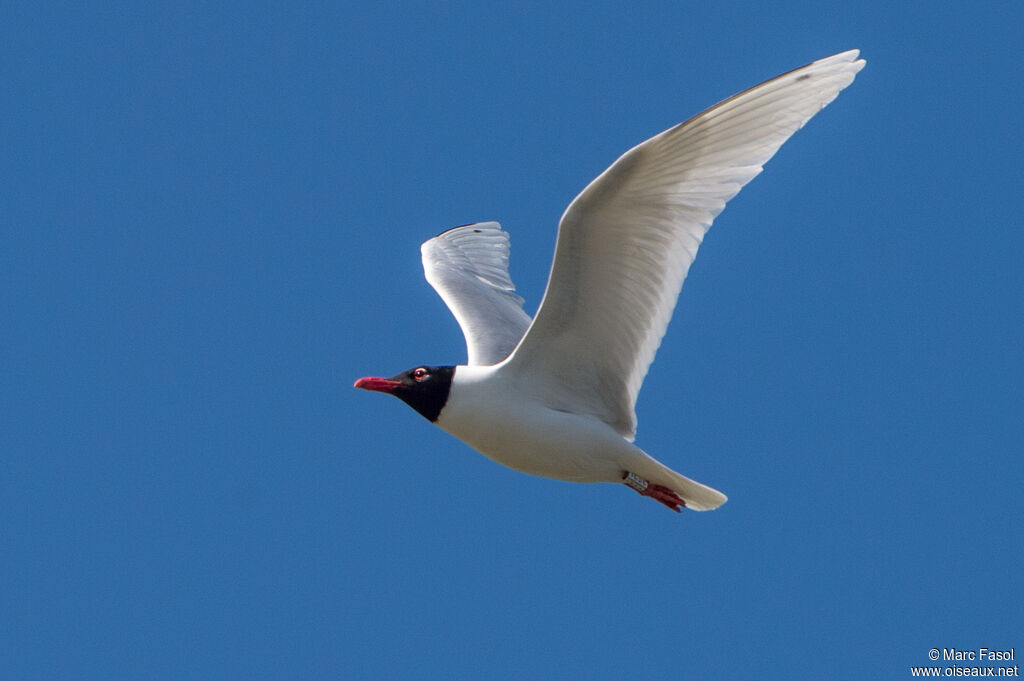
x=698, y=497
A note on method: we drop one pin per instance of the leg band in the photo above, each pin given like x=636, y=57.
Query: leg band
x=636, y=482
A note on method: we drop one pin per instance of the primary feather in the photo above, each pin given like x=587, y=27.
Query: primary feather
x=627, y=241
x=468, y=267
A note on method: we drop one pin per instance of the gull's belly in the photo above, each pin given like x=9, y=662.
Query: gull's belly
x=531, y=438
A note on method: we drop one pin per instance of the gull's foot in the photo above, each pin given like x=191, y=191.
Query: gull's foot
x=660, y=493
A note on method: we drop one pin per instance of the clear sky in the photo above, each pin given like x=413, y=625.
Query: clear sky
x=210, y=221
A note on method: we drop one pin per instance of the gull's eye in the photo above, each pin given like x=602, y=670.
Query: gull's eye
x=420, y=374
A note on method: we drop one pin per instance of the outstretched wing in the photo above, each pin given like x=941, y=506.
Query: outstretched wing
x=468, y=267
x=627, y=241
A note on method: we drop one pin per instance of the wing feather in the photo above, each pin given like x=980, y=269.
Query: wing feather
x=626, y=242
x=468, y=267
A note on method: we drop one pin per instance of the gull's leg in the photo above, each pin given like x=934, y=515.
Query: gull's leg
x=660, y=493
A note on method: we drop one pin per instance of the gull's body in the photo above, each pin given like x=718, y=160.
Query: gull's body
x=486, y=409
x=554, y=396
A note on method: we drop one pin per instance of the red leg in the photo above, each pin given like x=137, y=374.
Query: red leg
x=660, y=493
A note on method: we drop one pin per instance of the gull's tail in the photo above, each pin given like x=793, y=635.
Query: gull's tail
x=697, y=496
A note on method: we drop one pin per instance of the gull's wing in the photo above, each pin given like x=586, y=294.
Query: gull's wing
x=626, y=242
x=468, y=267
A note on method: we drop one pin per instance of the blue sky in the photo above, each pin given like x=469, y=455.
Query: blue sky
x=211, y=220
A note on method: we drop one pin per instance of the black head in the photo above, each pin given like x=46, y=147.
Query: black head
x=425, y=389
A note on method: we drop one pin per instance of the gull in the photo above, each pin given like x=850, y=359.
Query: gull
x=554, y=396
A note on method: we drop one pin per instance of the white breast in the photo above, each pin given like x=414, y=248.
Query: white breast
x=491, y=412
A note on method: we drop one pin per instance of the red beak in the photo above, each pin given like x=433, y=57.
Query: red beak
x=382, y=385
